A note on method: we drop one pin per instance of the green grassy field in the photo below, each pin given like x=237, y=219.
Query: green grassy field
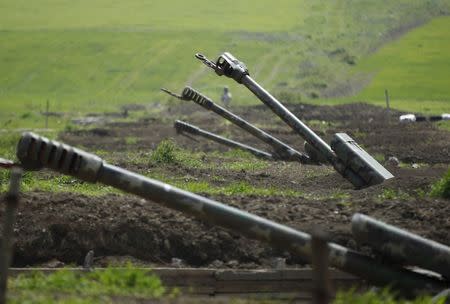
x=88, y=56
x=415, y=69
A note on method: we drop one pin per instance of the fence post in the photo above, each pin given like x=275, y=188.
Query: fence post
x=388, y=106
x=47, y=109
x=322, y=292
x=12, y=201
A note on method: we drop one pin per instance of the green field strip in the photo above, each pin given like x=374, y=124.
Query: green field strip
x=416, y=67
x=95, y=56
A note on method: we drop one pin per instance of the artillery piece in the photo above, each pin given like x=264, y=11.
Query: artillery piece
x=344, y=154
x=35, y=152
x=281, y=150
x=182, y=127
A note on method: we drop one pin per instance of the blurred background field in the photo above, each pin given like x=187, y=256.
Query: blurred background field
x=93, y=56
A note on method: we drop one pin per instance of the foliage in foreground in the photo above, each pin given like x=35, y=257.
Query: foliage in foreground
x=166, y=152
x=130, y=285
x=70, y=287
x=442, y=187
x=379, y=297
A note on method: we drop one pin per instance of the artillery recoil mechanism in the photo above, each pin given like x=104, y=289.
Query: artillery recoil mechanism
x=281, y=150
x=182, y=127
x=36, y=152
x=344, y=154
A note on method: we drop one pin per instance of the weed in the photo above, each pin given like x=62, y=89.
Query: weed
x=379, y=157
x=378, y=297
x=442, y=187
x=126, y=281
x=339, y=195
x=165, y=152
x=244, y=188
x=131, y=140
x=235, y=153
x=393, y=194
x=45, y=181
x=70, y=127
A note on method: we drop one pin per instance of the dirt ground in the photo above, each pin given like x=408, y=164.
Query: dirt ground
x=65, y=226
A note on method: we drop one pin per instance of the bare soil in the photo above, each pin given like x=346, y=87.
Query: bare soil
x=65, y=226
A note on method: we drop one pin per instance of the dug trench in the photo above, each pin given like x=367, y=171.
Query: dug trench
x=63, y=227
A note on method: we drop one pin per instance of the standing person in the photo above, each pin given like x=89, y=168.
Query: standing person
x=226, y=97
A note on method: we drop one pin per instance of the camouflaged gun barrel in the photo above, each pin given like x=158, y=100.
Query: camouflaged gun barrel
x=182, y=126
x=282, y=150
x=36, y=152
x=349, y=159
x=401, y=246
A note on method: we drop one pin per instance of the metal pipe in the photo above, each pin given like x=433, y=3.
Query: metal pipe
x=290, y=119
x=182, y=126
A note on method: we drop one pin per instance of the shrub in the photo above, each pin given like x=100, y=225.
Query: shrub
x=442, y=187
x=165, y=152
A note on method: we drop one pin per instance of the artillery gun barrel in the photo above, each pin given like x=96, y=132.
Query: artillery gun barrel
x=182, y=126
x=282, y=150
x=34, y=151
x=349, y=159
x=400, y=245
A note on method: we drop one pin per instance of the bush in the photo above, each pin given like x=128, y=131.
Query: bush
x=165, y=153
x=108, y=282
x=379, y=297
x=442, y=187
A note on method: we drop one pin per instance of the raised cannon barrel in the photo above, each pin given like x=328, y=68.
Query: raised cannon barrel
x=281, y=150
x=349, y=159
x=182, y=126
x=36, y=152
x=401, y=245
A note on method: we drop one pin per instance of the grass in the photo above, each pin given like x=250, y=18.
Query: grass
x=442, y=187
x=379, y=297
x=65, y=286
x=166, y=153
x=92, y=56
x=232, y=188
x=393, y=194
x=131, y=285
x=414, y=69
x=43, y=181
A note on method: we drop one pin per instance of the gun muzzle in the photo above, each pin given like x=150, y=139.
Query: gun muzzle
x=36, y=152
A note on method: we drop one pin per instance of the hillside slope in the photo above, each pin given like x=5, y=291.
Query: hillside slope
x=89, y=56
